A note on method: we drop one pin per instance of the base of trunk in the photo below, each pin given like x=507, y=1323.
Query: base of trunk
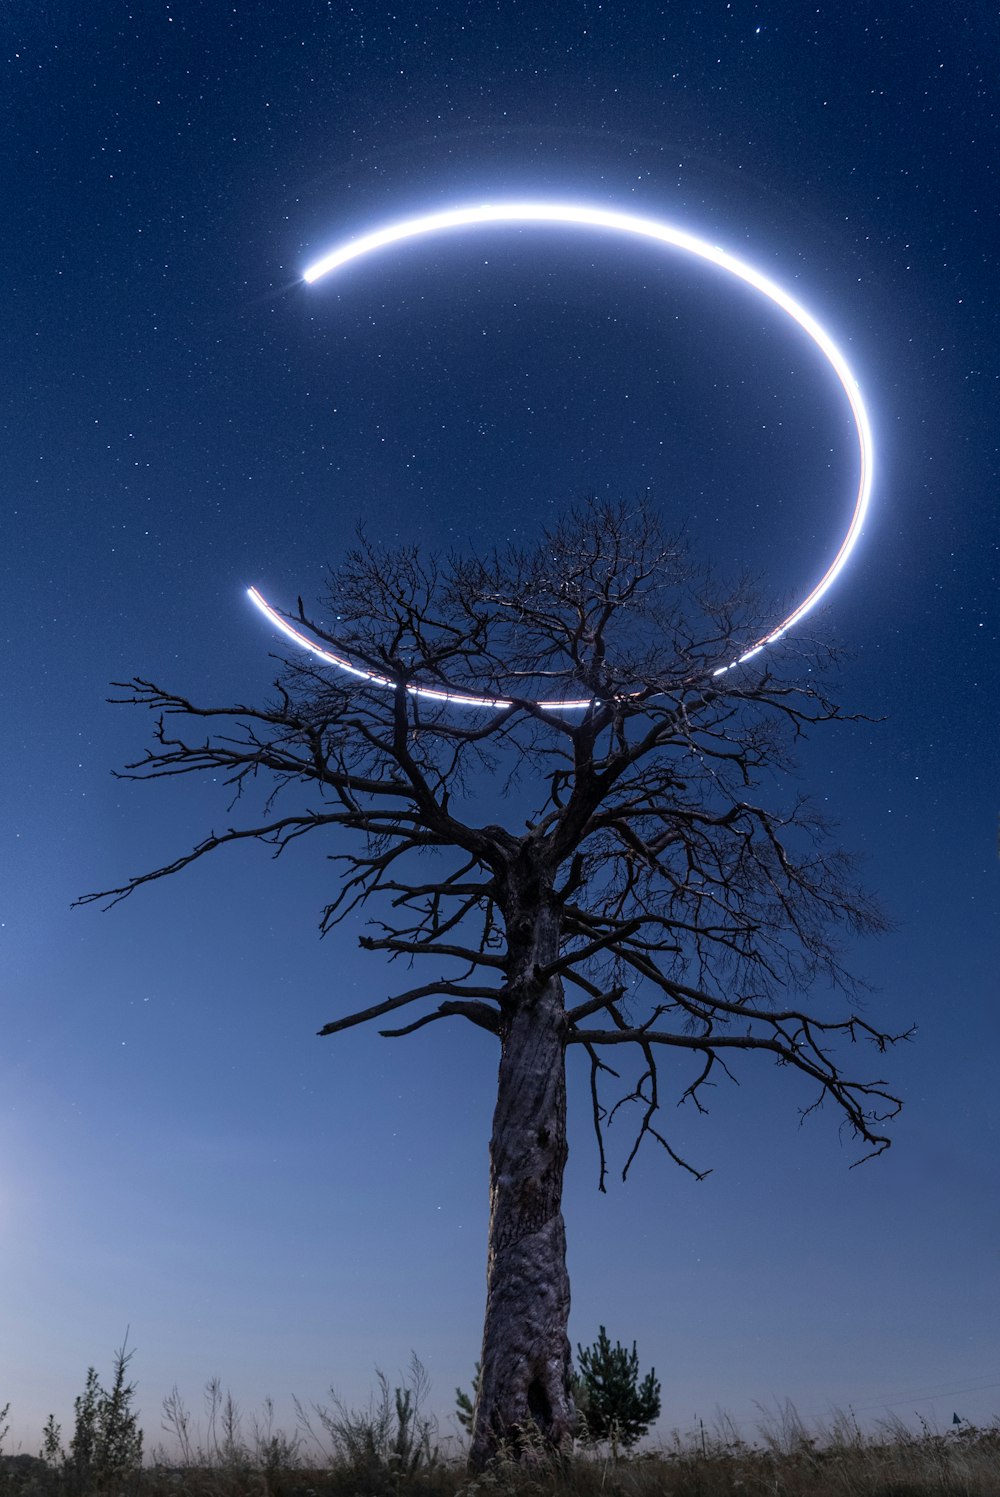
x=524, y=1401
x=525, y=1406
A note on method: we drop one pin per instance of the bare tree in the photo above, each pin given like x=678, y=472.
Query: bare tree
x=651, y=902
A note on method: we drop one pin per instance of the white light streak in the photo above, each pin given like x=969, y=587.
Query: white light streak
x=434, y=694
x=584, y=216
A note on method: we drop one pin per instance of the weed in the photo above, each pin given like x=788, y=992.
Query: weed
x=385, y=1445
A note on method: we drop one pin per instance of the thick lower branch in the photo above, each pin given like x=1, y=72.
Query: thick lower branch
x=479, y=1014
x=428, y=990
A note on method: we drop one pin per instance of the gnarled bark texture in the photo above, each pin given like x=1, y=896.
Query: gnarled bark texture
x=524, y=1386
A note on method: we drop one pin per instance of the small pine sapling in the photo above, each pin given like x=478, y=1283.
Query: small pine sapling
x=616, y=1406
x=106, y=1449
x=52, y=1452
x=466, y=1403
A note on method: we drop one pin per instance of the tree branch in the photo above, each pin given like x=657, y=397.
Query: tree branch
x=477, y=1013
x=676, y=903
x=389, y=1005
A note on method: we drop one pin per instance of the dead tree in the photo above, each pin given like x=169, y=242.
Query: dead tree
x=653, y=900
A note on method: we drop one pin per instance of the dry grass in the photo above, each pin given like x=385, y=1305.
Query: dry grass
x=389, y=1450
x=893, y=1463
x=785, y=1462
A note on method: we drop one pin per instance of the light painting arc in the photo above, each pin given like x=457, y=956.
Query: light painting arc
x=589, y=216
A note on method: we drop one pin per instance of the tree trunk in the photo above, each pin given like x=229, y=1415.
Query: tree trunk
x=524, y=1391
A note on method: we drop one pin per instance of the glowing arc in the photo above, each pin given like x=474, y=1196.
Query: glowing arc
x=583, y=215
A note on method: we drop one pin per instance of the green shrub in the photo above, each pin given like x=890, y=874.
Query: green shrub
x=105, y=1453
x=614, y=1405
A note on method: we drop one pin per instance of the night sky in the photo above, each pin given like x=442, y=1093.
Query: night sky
x=183, y=417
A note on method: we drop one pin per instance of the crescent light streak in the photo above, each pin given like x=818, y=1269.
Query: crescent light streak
x=585, y=216
x=460, y=698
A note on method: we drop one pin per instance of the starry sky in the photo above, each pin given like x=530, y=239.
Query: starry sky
x=182, y=417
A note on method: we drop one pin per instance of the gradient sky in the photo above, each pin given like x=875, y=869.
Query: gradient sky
x=182, y=417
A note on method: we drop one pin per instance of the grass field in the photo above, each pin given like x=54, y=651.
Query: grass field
x=391, y=1448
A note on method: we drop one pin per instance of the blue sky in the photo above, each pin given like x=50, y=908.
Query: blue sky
x=178, y=1153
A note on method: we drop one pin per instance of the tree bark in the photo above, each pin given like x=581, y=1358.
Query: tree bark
x=524, y=1388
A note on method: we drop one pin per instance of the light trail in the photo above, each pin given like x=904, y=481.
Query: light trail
x=459, y=698
x=584, y=216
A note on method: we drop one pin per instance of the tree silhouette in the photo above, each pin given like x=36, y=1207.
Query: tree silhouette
x=651, y=902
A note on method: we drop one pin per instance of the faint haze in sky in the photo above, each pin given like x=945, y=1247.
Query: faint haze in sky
x=183, y=417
